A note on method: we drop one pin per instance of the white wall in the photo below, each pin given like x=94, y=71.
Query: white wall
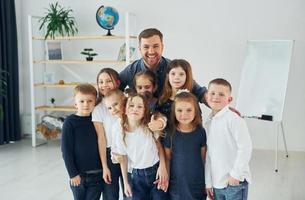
x=212, y=36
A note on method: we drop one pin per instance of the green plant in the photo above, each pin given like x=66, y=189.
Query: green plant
x=89, y=53
x=58, y=20
x=52, y=100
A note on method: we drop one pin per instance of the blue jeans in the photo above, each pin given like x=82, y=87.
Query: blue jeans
x=143, y=187
x=238, y=192
x=90, y=187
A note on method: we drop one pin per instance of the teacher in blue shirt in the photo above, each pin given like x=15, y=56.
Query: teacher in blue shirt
x=151, y=48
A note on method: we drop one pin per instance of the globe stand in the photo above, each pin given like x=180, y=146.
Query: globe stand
x=109, y=33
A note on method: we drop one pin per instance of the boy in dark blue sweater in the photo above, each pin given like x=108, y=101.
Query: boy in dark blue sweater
x=79, y=147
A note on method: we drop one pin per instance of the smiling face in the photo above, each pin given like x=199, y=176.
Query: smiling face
x=143, y=84
x=151, y=50
x=184, y=112
x=177, y=77
x=114, y=104
x=218, y=97
x=105, y=83
x=84, y=103
x=135, y=109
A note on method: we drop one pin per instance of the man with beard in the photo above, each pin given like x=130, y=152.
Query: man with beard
x=151, y=48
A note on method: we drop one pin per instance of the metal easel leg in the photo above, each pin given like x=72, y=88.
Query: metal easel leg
x=284, y=139
x=276, y=148
x=280, y=127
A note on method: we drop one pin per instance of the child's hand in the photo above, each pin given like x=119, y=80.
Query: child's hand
x=234, y=110
x=127, y=190
x=118, y=157
x=232, y=181
x=210, y=193
x=162, y=178
x=75, y=181
x=107, y=175
x=155, y=124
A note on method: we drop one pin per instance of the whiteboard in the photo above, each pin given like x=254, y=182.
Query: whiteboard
x=264, y=78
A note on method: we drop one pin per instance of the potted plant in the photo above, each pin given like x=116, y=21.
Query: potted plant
x=52, y=100
x=58, y=21
x=3, y=84
x=89, y=53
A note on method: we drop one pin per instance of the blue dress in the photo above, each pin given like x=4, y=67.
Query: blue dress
x=187, y=169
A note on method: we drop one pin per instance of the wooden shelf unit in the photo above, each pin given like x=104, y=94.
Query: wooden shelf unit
x=43, y=88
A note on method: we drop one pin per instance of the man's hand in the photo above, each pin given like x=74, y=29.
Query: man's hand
x=155, y=124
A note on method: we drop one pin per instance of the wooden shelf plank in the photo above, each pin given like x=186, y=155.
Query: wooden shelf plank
x=56, y=108
x=79, y=37
x=56, y=85
x=79, y=62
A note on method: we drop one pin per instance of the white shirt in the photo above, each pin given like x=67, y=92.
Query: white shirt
x=140, y=147
x=229, y=149
x=101, y=114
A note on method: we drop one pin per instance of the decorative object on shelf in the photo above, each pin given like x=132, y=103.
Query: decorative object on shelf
x=61, y=82
x=89, y=53
x=107, y=17
x=54, y=50
x=122, y=52
x=50, y=126
x=3, y=84
x=52, y=100
x=48, y=77
x=58, y=21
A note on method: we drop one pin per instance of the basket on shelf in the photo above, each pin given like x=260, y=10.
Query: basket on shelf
x=50, y=126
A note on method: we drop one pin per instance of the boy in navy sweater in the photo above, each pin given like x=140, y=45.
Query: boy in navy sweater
x=79, y=147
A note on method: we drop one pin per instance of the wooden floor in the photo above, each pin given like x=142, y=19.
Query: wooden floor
x=28, y=173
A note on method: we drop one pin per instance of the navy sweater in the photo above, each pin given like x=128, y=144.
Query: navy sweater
x=79, y=145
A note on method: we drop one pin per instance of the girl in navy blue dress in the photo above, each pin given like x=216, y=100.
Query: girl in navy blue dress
x=185, y=149
x=179, y=76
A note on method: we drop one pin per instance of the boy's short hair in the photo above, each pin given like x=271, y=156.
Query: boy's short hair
x=147, y=33
x=221, y=81
x=115, y=92
x=85, y=88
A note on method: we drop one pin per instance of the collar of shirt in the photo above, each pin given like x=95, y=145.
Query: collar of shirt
x=160, y=67
x=219, y=114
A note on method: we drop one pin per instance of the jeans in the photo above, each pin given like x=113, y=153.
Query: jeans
x=90, y=187
x=111, y=191
x=238, y=192
x=143, y=187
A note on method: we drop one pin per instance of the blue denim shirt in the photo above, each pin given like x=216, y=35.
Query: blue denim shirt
x=128, y=74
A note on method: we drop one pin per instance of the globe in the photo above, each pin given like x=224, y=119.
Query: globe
x=107, y=17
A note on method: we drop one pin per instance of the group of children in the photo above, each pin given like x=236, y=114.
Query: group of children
x=156, y=146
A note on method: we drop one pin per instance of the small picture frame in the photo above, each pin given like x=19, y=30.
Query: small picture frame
x=48, y=78
x=122, y=52
x=54, y=50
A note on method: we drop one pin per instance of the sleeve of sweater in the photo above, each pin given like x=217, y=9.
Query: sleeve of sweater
x=67, y=148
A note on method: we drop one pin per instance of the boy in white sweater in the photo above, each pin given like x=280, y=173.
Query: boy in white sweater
x=229, y=147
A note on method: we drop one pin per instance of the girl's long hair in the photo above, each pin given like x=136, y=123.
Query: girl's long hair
x=184, y=97
x=144, y=121
x=114, y=75
x=167, y=90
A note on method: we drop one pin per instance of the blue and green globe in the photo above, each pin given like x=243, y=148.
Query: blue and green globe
x=107, y=17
